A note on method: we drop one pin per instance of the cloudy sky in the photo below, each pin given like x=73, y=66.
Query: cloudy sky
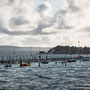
x=44, y=22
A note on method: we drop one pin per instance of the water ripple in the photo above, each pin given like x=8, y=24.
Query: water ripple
x=73, y=76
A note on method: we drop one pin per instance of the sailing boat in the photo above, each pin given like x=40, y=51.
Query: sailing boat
x=8, y=64
x=22, y=63
x=70, y=58
x=45, y=61
x=25, y=64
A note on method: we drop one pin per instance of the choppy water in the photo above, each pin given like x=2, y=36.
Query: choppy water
x=73, y=76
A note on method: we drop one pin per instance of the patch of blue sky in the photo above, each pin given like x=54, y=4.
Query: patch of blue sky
x=56, y=4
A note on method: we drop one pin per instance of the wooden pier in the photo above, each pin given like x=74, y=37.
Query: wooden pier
x=37, y=57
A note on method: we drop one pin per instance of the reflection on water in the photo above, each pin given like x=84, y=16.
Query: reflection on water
x=73, y=76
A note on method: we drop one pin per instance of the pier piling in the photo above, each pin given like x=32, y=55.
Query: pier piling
x=39, y=61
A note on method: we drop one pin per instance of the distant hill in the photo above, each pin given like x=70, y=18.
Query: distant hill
x=34, y=50
x=23, y=50
x=69, y=50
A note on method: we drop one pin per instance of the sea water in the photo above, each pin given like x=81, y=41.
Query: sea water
x=72, y=76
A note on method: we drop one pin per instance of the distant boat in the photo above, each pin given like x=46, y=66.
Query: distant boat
x=25, y=64
x=72, y=60
x=44, y=62
x=8, y=65
x=85, y=59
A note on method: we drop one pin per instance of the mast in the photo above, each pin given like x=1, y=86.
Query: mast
x=78, y=47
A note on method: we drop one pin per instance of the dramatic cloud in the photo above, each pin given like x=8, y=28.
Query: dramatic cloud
x=18, y=15
x=22, y=18
x=17, y=21
x=44, y=9
x=79, y=17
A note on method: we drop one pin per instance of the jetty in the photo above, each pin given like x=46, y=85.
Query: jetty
x=43, y=57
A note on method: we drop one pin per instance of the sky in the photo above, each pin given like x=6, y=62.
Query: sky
x=44, y=23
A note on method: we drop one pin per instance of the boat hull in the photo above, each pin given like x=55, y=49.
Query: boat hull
x=25, y=64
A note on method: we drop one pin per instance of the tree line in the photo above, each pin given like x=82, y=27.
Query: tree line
x=69, y=50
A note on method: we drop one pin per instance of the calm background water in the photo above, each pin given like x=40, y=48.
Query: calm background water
x=73, y=76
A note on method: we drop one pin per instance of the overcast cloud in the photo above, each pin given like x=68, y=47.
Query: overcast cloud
x=24, y=23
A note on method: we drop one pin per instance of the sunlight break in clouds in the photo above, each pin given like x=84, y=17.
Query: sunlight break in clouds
x=24, y=24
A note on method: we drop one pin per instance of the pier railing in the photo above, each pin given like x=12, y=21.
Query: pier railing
x=35, y=57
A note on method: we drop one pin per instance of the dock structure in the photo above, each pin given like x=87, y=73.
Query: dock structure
x=38, y=57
